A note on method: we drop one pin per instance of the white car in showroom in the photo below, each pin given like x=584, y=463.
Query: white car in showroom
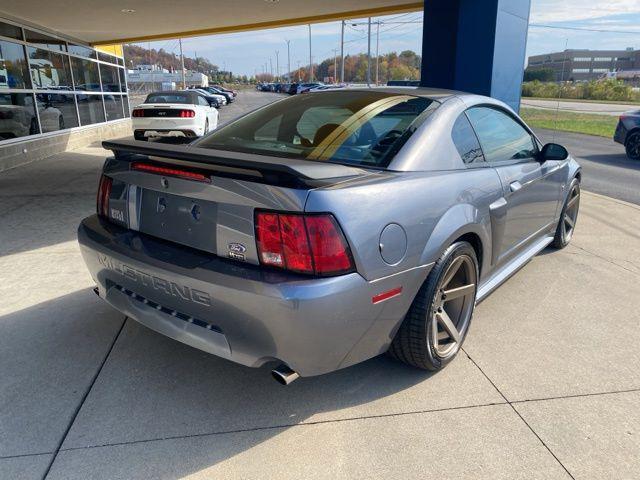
x=174, y=114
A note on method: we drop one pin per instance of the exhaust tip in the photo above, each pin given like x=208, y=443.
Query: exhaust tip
x=284, y=375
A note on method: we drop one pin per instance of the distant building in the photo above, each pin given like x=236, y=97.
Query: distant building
x=146, y=78
x=585, y=65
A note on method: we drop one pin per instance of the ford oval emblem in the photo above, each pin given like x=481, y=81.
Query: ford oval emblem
x=237, y=248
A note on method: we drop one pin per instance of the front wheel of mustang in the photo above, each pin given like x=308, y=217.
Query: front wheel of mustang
x=438, y=320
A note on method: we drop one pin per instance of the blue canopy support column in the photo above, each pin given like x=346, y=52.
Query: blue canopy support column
x=476, y=46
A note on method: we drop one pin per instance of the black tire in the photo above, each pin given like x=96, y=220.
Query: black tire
x=413, y=344
x=632, y=146
x=564, y=234
x=206, y=127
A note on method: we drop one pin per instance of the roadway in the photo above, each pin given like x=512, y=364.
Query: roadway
x=613, y=109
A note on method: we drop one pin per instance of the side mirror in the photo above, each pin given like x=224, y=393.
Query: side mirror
x=553, y=151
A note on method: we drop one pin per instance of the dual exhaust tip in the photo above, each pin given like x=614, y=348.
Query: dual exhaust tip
x=284, y=375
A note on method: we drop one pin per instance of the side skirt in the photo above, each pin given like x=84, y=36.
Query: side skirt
x=512, y=267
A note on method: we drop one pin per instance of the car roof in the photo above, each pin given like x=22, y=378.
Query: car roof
x=433, y=93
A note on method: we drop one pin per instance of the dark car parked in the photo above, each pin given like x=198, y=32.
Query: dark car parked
x=628, y=133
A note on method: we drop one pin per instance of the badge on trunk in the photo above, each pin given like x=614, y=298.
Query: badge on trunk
x=236, y=251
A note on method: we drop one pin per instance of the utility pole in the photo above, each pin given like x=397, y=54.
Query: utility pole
x=288, y=62
x=342, y=53
x=277, y=66
x=377, y=51
x=310, y=61
x=369, y=52
x=184, y=86
x=335, y=65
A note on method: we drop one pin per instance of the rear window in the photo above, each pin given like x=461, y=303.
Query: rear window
x=364, y=128
x=168, y=98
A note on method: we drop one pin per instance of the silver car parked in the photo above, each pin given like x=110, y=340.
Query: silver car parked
x=323, y=230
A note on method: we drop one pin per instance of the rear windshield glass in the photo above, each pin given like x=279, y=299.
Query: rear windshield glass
x=364, y=128
x=168, y=98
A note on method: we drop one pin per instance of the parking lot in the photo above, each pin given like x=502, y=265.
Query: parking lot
x=548, y=386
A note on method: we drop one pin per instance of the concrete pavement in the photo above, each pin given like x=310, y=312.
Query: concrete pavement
x=547, y=387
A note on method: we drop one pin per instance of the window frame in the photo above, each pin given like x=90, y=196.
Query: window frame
x=483, y=163
x=534, y=139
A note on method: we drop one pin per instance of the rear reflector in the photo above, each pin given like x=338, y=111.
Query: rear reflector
x=104, y=192
x=312, y=244
x=171, y=172
x=381, y=297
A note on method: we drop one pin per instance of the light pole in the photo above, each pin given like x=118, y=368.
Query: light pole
x=298, y=70
x=369, y=52
x=342, y=53
x=310, y=61
x=288, y=61
x=182, y=63
x=277, y=65
x=335, y=65
x=377, y=50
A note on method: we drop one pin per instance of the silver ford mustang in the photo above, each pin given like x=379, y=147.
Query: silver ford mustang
x=325, y=229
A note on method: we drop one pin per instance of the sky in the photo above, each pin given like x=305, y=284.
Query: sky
x=601, y=24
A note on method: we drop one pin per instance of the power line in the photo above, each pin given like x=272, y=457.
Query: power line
x=583, y=29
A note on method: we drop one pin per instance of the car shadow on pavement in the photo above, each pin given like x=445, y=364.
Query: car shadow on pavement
x=614, y=159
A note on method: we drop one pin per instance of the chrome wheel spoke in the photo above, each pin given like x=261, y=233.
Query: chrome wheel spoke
x=459, y=292
x=569, y=220
x=572, y=202
x=444, y=320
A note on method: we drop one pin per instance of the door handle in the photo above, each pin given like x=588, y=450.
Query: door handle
x=515, y=186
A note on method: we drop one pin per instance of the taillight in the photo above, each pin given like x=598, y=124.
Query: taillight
x=312, y=244
x=138, y=112
x=104, y=191
x=187, y=114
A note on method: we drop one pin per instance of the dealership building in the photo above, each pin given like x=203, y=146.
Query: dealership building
x=585, y=65
x=63, y=83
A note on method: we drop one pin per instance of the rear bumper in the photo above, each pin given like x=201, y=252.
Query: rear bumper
x=241, y=312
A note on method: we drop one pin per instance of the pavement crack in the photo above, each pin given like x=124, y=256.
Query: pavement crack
x=608, y=260
x=84, y=398
x=281, y=426
x=519, y=415
x=577, y=395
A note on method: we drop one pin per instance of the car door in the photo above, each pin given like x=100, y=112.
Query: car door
x=205, y=109
x=531, y=190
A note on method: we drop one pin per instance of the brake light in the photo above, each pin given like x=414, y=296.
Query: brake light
x=187, y=114
x=104, y=192
x=312, y=244
x=138, y=112
x=171, y=172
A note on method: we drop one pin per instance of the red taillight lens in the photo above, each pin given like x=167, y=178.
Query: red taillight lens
x=104, y=191
x=187, y=114
x=171, y=172
x=138, y=112
x=311, y=244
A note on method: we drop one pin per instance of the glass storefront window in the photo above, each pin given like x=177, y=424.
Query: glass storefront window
x=85, y=75
x=123, y=81
x=45, y=41
x=17, y=115
x=113, y=107
x=90, y=109
x=125, y=103
x=49, y=70
x=14, y=72
x=109, y=76
x=105, y=57
x=11, y=31
x=57, y=111
x=82, y=51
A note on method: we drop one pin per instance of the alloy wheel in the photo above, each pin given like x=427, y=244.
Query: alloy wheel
x=633, y=146
x=453, y=306
x=570, y=215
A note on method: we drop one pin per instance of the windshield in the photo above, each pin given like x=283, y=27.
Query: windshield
x=168, y=98
x=364, y=128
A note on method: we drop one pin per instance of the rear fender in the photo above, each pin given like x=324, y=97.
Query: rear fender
x=459, y=220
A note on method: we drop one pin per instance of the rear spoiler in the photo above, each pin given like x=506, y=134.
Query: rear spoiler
x=307, y=171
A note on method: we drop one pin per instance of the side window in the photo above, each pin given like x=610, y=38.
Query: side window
x=502, y=138
x=465, y=140
x=203, y=101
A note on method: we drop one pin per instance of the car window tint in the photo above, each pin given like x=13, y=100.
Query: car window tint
x=502, y=138
x=352, y=127
x=203, y=101
x=168, y=98
x=465, y=140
